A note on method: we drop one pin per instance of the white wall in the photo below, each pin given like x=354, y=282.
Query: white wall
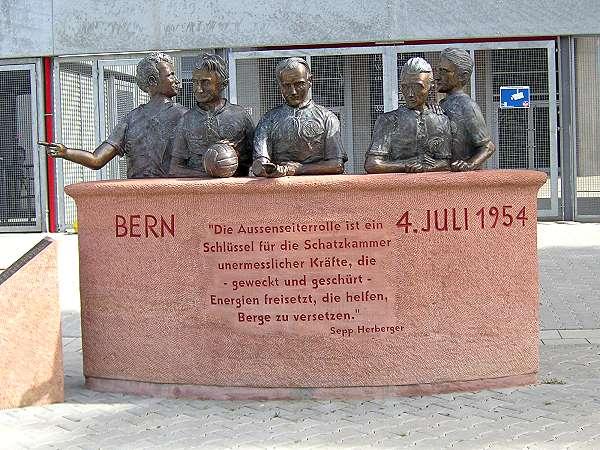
x=60, y=27
x=25, y=28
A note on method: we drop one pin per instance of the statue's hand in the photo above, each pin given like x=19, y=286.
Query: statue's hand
x=54, y=149
x=291, y=167
x=414, y=168
x=428, y=161
x=461, y=166
x=277, y=172
x=265, y=168
x=435, y=108
x=283, y=170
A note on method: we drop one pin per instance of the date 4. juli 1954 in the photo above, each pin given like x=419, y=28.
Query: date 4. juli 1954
x=462, y=219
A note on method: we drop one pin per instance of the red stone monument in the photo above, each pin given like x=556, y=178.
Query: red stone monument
x=31, y=359
x=309, y=287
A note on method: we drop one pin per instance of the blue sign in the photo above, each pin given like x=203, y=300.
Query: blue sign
x=514, y=97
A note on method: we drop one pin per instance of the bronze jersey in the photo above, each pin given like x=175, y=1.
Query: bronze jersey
x=406, y=135
x=199, y=129
x=306, y=135
x=145, y=137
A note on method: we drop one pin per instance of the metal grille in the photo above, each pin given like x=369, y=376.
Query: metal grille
x=522, y=136
x=518, y=129
x=18, y=203
x=257, y=89
x=77, y=125
x=587, y=107
x=184, y=66
x=349, y=85
x=512, y=138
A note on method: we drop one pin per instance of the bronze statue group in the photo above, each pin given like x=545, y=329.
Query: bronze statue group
x=218, y=139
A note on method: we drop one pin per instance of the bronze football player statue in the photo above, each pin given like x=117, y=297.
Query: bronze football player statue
x=472, y=144
x=298, y=137
x=144, y=135
x=412, y=138
x=214, y=138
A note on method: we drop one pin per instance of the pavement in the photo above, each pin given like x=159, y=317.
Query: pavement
x=562, y=411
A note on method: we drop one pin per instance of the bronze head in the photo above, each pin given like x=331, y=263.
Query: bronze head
x=209, y=78
x=155, y=75
x=295, y=80
x=454, y=69
x=416, y=77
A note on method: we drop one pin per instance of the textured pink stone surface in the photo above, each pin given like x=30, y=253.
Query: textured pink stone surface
x=31, y=361
x=462, y=303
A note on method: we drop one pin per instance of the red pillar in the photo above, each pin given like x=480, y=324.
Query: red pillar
x=49, y=128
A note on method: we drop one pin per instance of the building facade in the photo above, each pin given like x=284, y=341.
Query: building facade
x=67, y=74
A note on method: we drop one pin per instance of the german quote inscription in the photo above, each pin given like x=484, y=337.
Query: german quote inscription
x=306, y=278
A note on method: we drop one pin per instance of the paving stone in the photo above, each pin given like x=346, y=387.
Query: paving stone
x=135, y=420
x=583, y=334
x=472, y=444
x=565, y=341
x=420, y=438
x=550, y=334
x=505, y=444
